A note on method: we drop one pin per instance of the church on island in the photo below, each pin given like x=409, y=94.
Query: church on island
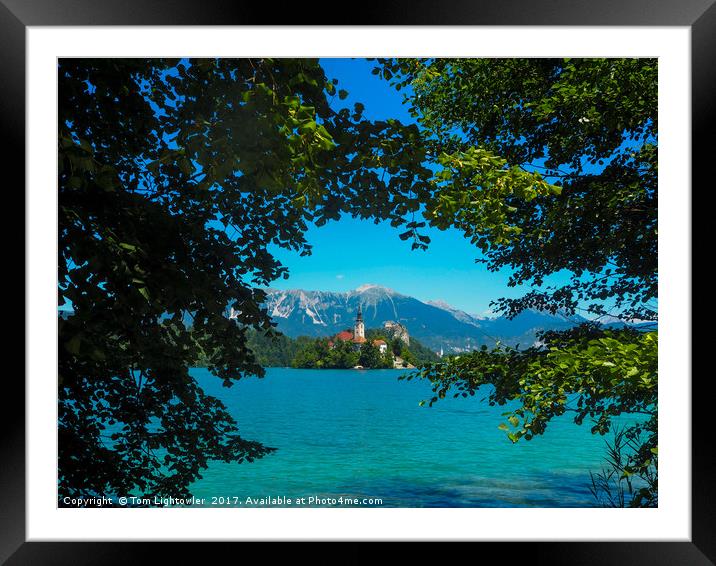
x=357, y=336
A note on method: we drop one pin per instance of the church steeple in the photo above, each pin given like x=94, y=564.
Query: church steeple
x=359, y=329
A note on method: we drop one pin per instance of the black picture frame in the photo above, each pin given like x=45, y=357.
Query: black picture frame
x=17, y=15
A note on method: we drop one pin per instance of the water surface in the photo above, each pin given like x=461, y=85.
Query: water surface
x=361, y=434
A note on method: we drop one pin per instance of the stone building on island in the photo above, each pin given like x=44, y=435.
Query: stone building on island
x=357, y=335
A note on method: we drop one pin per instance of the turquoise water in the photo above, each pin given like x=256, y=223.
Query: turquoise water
x=361, y=434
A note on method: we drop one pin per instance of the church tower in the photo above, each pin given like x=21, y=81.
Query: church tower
x=359, y=329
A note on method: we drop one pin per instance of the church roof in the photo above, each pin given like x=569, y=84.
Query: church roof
x=344, y=335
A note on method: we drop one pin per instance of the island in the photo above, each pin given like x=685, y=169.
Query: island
x=389, y=347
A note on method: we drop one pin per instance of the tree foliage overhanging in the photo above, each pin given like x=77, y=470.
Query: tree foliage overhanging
x=590, y=128
x=175, y=177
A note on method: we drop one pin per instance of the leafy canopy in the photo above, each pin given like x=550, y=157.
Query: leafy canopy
x=587, y=130
x=589, y=126
x=174, y=178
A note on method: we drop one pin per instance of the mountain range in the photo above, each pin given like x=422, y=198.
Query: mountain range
x=436, y=324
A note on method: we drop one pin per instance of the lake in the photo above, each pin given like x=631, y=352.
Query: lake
x=361, y=434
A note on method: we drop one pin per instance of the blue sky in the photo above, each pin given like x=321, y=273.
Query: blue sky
x=351, y=252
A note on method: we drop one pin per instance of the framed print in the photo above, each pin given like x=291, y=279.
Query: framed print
x=391, y=279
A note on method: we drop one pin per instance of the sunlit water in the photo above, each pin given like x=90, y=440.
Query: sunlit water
x=361, y=434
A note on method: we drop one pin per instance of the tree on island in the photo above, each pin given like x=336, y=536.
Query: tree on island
x=320, y=353
x=396, y=346
x=343, y=355
x=370, y=356
x=175, y=177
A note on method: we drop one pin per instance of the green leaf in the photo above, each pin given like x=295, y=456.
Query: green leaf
x=73, y=345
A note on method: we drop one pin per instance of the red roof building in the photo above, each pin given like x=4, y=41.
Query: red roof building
x=357, y=336
x=345, y=336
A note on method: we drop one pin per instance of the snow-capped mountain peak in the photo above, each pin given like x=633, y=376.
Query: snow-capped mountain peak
x=373, y=288
x=436, y=324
